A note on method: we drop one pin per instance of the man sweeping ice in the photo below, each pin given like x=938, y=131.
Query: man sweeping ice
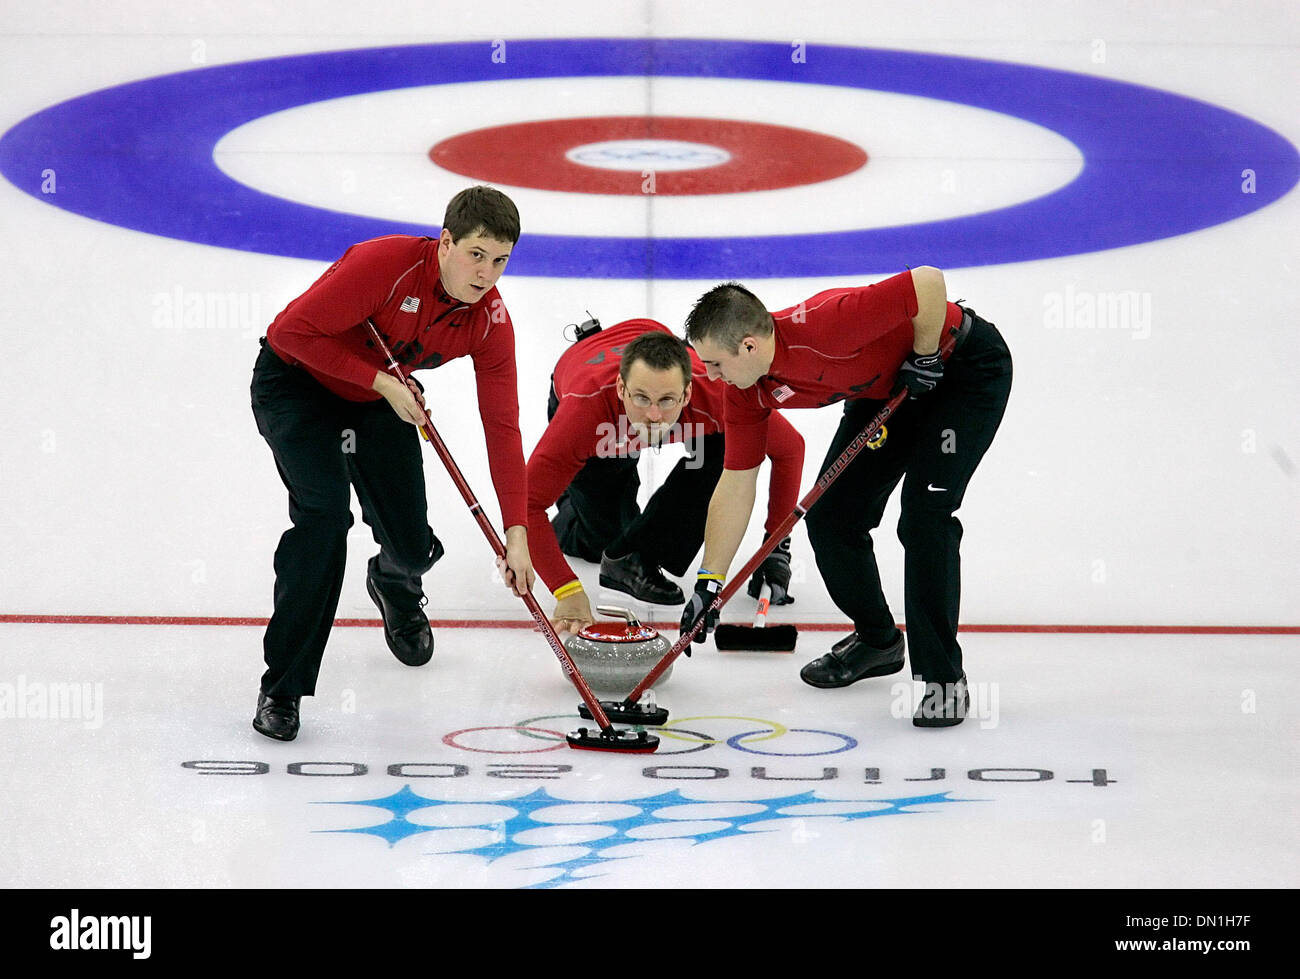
x=859, y=346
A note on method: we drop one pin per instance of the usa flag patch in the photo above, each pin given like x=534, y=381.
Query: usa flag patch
x=410, y=304
x=782, y=394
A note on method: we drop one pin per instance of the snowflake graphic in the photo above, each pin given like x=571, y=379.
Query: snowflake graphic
x=669, y=815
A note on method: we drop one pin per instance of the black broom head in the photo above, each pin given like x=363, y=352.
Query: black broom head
x=731, y=637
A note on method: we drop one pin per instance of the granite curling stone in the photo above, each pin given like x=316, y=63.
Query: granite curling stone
x=614, y=657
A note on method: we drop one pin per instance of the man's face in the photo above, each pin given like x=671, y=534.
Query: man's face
x=653, y=399
x=469, y=268
x=742, y=368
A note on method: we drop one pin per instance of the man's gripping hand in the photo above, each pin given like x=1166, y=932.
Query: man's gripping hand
x=775, y=570
x=707, y=587
x=572, y=612
x=516, y=568
x=919, y=374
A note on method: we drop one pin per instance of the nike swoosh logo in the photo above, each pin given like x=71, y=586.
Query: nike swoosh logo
x=937, y=489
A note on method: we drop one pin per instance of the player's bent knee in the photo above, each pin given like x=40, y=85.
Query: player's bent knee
x=821, y=528
x=323, y=520
x=927, y=523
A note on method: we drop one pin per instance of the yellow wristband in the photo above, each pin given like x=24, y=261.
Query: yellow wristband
x=572, y=588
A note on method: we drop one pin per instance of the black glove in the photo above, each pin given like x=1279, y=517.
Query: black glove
x=775, y=570
x=706, y=590
x=919, y=373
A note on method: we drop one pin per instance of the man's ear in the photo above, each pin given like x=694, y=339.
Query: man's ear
x=686, y=395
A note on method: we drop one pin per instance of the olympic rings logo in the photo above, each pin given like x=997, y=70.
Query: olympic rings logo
x=673, y=731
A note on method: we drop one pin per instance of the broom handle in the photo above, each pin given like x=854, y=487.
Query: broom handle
x=575, y=675
x=764, y=602
x=782, y=531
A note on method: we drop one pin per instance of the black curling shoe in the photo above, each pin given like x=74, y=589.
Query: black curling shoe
x=407, y=632
x=851, y=660
x=944, y=704
x=632, y=576
x=276, y=717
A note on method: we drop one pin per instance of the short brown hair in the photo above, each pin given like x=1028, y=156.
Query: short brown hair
x=659, y=351
x=726, y=314
x=484, y=210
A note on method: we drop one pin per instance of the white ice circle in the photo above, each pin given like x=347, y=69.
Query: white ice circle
x=928, y=160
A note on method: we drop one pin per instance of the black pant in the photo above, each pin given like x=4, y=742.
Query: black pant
x=322, y=444
x=933, y=444
x=598, y=512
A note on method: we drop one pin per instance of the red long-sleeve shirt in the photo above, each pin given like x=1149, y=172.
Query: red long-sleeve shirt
x=394, y=282
x=590, y=421
x=840, y=344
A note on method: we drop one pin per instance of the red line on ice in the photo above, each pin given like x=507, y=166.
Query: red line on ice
x=1061, y=629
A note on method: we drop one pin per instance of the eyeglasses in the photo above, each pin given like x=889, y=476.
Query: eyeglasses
x=663, y=404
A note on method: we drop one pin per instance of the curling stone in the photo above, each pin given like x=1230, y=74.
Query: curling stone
x=614, y=657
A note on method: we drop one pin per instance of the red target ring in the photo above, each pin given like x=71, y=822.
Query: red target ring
x=617, y=154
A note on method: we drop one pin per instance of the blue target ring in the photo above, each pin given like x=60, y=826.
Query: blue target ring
x=1156, y=164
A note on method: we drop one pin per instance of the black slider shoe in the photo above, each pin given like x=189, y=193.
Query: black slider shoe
x=276, y=717
x=407, y=632
x=944, y=704
x=851, y=660
x=632, y=576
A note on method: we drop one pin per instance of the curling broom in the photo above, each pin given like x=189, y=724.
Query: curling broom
x=759, y=637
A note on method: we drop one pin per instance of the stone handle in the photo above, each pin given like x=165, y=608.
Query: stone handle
x=618, y=612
